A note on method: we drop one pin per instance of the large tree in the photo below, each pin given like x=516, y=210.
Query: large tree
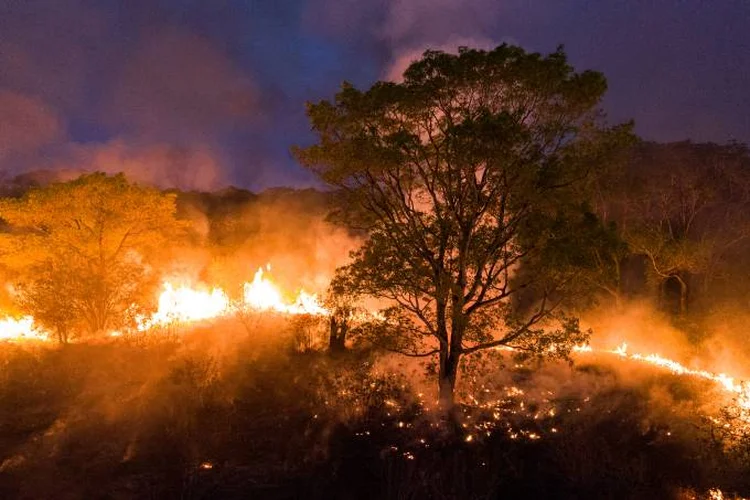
x=83, y=251
x=470, y=177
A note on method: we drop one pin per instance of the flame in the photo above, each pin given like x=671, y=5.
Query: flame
x=262, y=295
x=725, y=382
x=20, y=329
x=307, y=304
x=186, y=305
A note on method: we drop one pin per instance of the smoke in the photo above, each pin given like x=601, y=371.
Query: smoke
x=27, y=125
x=231, y=83
x=85, y=88
x=423, y=21
x=177, y=86
x=190, y=167
x=404, y=57
x=285, y=229
x=404, y=29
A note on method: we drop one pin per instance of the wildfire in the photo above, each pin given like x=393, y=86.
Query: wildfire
x=262, y=295
x=184, y=304
x=726, y=382
x=187, y=305
x=20, y=329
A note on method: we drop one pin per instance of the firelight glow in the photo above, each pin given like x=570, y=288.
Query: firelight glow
x=189, y=305
x=20, y=329
x=185, y=304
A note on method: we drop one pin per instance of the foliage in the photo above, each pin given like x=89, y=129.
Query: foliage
x=469, y=176
x=347, y=317
x=683, y=207
x=82, y=251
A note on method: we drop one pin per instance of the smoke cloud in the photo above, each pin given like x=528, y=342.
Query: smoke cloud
x=177, y=86
x=27, y=125
x=228, y=82
x=84, y=88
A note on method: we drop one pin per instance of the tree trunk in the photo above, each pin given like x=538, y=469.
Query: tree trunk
x=449, y=362
x=337, y=335
x=62, y=336
x=683, y=295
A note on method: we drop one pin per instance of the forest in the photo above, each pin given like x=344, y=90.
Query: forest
x=492, y=293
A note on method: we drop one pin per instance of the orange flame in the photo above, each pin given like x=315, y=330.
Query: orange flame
x=725, y=382
x=21, y=329
x=186, y=305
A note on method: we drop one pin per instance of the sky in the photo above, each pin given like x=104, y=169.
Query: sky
x=201, y=94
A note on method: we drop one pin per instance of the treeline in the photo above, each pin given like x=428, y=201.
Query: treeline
x=678, y=215
x=88, y=255
x=681, y=212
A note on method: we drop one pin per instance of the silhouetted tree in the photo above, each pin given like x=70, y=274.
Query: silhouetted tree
x=470, y=176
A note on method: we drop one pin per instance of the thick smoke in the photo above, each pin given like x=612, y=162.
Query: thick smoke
x=27, y=125
x=189, y=167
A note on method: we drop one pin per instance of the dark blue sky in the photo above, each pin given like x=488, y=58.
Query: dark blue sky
x=204, y=93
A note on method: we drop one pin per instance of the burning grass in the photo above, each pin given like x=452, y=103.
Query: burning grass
x=213, y=396
x=226, y=412
x=180, y=303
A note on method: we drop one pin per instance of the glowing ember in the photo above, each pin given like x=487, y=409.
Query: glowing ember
x=20, y=329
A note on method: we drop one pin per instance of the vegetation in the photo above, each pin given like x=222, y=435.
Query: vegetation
x=83, y=251
x=683, y=208
x=488, y=206
x=178, y=420
x=470, y=175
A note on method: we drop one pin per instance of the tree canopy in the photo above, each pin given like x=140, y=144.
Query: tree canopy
x=82, y=251
x=470, y=177
x=683, y=208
